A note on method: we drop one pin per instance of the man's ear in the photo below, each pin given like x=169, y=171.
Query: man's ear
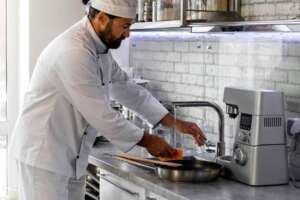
x=102, y=20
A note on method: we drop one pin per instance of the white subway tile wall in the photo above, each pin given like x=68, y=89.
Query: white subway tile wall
x=270, y=9
x=187, y=67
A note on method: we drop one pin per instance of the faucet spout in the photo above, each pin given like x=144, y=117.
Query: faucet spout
x=218, y=109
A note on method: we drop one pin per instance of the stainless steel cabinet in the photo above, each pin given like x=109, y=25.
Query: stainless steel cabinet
x=112, y=187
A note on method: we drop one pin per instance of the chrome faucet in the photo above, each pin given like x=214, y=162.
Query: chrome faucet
x=218, y=109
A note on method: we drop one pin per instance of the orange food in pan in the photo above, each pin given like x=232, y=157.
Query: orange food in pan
x=177, y=156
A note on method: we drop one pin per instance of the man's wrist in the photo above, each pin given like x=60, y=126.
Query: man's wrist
x=145, y=140
x=169, y=121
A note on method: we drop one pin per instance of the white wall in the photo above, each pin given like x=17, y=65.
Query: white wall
x=12, y=80
x=191, y=67
x=270, y=9
x=184, y=66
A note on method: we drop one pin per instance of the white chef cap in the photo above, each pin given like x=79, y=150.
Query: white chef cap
x=119, y=8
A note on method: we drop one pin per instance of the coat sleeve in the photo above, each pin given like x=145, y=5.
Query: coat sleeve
x=135, y=97
x=75, y=76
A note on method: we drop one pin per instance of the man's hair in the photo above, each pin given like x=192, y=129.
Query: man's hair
x=93, y=12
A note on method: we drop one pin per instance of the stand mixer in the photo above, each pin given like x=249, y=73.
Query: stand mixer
x=259, y=151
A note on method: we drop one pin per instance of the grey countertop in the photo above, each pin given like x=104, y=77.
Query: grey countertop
x=221, y=189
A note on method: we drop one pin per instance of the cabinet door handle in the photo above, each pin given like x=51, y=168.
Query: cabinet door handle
x=119, y=186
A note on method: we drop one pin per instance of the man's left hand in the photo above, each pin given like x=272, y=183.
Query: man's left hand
x=192, y=129
x=185, y=127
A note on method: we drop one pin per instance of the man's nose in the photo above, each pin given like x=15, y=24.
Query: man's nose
x=126, y=33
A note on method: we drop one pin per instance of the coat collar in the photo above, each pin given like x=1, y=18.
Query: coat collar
x=100, y=46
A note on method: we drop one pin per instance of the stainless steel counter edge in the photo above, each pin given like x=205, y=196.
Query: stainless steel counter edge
x=220, y=189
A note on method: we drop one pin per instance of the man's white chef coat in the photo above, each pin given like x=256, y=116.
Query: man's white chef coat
x=70, y=89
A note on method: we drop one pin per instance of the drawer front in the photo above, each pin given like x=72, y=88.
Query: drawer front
x=114, y=187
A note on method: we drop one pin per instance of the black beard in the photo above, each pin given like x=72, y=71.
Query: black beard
x=107, y=39
x=112, y=44
x=115, y=44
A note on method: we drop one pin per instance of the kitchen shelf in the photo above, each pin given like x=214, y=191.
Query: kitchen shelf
x=217, y=21
x=234, y=26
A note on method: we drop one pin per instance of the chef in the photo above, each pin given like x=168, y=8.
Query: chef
x=70, y=90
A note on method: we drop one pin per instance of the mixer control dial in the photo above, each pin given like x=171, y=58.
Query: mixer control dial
x=240, y=156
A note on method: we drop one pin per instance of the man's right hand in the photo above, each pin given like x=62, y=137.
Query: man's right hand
x=156, y=146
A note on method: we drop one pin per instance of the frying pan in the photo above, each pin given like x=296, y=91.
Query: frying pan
x=191, y=170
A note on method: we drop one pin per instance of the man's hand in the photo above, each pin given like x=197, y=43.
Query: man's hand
x=192, y=129
x=156, y=146
x=185, y=127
